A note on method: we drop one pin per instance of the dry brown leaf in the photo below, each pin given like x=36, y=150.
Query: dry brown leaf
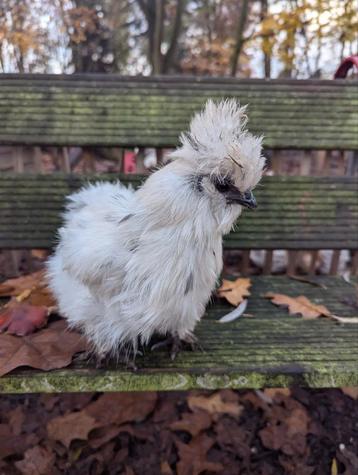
x=299, y=305
x=32, y=289
x=193, y=456
x=76, y=425
x=234, y=291
x=38, y=461
x=288, y=432
x=14, y=287
x=127, y=407
x=193, y=423
x=30, y=305
x=165, y=468
x=51, y=348
x=102, y=435
x=351, y=392
x=274, y=393
x=214, y=404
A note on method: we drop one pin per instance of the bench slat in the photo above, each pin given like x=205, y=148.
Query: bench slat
x=119, y=111
x=294, y=212
x=270, y=349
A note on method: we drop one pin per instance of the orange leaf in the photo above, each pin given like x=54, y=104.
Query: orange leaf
x=234, y=291
x=299, y=305
x=214, y=404
x=14, y=287
x=350, y=391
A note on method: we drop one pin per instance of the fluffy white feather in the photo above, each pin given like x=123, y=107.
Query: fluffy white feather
x=130, y=264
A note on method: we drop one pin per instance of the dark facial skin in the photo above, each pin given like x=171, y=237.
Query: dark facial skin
x=233, y=195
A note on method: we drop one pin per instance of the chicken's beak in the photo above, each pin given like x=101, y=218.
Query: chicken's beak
x=234, y=196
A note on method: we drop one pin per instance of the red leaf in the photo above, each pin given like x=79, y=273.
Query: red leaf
x=22, y=319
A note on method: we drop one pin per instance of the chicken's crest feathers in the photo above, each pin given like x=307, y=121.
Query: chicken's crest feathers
x=219, y=143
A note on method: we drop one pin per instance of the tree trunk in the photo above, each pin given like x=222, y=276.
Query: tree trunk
x=267, y=57
x=169, y=57
x=239, y=36
x=158, y=36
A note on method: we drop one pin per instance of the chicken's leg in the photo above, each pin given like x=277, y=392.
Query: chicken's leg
x=176, y=344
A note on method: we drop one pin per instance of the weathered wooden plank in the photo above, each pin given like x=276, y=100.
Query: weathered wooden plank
x=293, y=213
x=271, y=349
x=97, y=110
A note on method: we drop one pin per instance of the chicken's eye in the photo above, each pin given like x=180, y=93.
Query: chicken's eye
x=222, y=185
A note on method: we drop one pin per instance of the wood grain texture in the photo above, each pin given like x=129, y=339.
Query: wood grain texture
x=293, y=212
x=272, y=349
x=133, y=111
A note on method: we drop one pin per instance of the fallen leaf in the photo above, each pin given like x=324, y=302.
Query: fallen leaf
x=31, y=304
x=51, y=348
x=22, y=319
x=193, y=456
x=165, y=468
x=76, y=425
x=287, y=431
x=273, y=393
x=214, y=404
x=12, y=442
x=102, y=435
x=193, y=423
x=236, y=313
x=16, y=418
x=234, y=291
x=37, y=461
x=126, y=407
x=350, y=391
x=14, y=287
x=32, y=289
x=293, y=465
x=299, y=305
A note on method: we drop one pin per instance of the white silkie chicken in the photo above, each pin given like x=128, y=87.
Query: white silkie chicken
x=130, y=264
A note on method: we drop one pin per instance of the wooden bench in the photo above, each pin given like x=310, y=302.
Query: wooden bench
x=295, y=213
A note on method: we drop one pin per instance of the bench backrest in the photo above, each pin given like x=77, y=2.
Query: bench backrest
x=293, y=212
x=133, y=111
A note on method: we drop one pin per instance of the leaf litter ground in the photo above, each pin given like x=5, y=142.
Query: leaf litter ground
x=269, y=432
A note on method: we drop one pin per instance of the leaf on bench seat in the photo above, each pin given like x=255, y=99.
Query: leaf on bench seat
x=51, y=348
x=22, y=319
x=234, y=291
x=14, y=287
x=30, y=305
x=299, y=305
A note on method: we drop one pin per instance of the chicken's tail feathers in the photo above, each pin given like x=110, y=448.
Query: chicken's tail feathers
x=99, y=194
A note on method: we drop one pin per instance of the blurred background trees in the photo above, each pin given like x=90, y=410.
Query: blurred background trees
x=250, y=38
